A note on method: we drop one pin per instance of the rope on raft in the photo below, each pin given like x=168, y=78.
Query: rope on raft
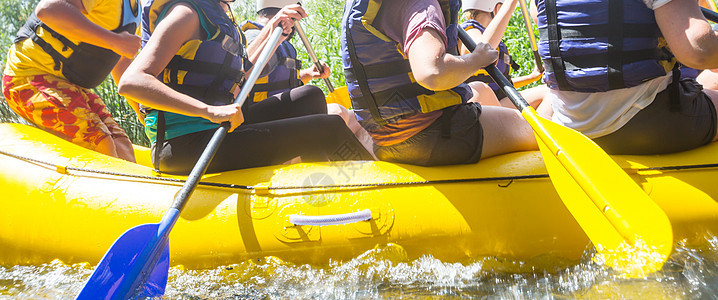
x=64, y=169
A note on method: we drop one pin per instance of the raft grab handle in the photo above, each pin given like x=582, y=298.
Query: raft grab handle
x=326, y=220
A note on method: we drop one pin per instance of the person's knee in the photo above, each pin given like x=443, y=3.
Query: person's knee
x=336, y=109
x=124, y=149
x=107, y=146
x=505, y=131
x=483, y=94
x=313, y=92
x=311, y=97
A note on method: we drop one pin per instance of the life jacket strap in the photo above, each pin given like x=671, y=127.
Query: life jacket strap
x=554, y=37
x=592, y=60
x=592, y=31
x=361, y=78
x=382, y=70
x=398, y=94
x=615, y=44
x=178, y=63
x=159, y=140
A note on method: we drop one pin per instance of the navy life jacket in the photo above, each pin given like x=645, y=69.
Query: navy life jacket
x=284, y=77
x=597, y=46
x=208, y=69
x=381, y=85
x=87, y=65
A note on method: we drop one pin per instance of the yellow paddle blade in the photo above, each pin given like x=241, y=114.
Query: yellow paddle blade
x=630, y=232
x=340, y=96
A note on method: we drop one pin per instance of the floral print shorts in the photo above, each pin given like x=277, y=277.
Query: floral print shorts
x=61, y=107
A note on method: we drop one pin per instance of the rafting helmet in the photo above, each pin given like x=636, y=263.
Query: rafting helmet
x=482, y=5
x=262, y=4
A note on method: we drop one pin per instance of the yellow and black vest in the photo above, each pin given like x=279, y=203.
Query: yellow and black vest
x=87, y=65
x=284, y=76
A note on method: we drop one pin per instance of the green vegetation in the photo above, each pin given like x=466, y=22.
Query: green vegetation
x=322, y=28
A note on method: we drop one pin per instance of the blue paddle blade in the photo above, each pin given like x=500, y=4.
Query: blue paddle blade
x=120, y=270
x=157, y=280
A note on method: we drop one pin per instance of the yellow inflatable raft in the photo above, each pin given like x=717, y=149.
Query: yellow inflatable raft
x=61, y=201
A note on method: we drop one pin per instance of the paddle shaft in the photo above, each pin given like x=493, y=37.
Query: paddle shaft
x=709, y=14
x=494, y=72
x=532, y=38
x=312, y=55
x=151, y=252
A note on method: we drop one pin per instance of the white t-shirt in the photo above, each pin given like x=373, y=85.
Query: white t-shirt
x=599, y=114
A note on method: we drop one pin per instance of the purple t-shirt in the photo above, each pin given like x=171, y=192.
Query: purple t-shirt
x=403, y=21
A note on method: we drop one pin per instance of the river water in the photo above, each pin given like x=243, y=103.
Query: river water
x=384, y=272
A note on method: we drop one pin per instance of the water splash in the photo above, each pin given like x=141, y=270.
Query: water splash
x=385, y=272
x=631, y=261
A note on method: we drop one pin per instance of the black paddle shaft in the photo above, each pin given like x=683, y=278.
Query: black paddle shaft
x=709, y=14
x=495, y=74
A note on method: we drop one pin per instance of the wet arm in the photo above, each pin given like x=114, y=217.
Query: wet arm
x=139, y=81
x=117, y=72
x=495, y=30
x=436, y=70
x=689, y=35
x=65, y=17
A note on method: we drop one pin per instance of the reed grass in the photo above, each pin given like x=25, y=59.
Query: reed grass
x=322, y=28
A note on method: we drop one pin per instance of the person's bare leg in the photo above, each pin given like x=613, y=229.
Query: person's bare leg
x=505, y=130
x=708, y=79
x=534, y=96
x=545, y=109
x=107, y=147
x=123, y=148
x=483, y=94
x=351, y=121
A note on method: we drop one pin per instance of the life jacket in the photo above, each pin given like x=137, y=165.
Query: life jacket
x=597, y=46
x=505, y=63
x=208, y=69
x=381, y=85
x=284, y=77
x=87, y=65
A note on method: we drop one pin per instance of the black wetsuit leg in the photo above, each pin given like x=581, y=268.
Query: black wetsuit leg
x=300, y=101
x=276, y=130
x=314, y=138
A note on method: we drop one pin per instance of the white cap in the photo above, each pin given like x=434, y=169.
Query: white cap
x=262, y=4
x=482, y=5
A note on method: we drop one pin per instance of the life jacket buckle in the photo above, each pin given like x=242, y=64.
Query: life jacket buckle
x=231, y=46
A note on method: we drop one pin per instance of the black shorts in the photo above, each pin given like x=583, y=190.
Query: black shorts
x=457, y=142
x=659, y=129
